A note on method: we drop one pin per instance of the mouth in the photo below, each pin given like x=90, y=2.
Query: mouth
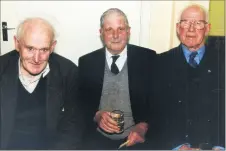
x=115, y=42
x=35, y=64
x=190, y=36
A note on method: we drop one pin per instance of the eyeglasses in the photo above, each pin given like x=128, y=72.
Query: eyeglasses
x=197, y=24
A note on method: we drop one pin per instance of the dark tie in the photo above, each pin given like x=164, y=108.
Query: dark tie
x=192, y=61
x=114, y=68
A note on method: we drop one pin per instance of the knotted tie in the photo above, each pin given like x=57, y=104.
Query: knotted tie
x=192, y=61
x=114, y=68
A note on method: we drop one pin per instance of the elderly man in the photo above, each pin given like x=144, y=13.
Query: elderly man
x=38, y=91
x=192, y=89
x=114, y=78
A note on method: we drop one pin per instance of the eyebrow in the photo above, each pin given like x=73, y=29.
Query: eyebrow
x=192, y=20
x=28, y=46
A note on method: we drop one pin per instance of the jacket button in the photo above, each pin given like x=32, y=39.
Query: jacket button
x=190, y=122
x=209, y=120
x=179, y=101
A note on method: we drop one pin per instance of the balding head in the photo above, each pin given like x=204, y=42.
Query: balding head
x=111, y=11
x=33, y=24
x=193, y=27
x=34, y=42
x=195, y=8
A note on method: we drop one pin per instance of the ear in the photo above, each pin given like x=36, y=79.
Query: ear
x=101, y=30
x=16, y=43
x=128, y=30
x=207, y=29
x=178, y=28
x=53, y=46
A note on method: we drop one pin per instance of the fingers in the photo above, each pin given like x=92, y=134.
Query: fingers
x=134, y=138
x=107, y=123
x=107, y=126
x=186, y=147
x=137, y=134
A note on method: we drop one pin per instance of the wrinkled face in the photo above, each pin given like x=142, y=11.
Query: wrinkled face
x=34, y=48
x=115, y=33
x=190, y=36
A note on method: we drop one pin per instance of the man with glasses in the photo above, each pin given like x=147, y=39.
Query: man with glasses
x=38, y=92
x=191, y=89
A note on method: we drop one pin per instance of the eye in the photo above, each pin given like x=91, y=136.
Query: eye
x=44, y=50
x=122, y=28
x=186, y=22
x=108, y=29
x=198, y=23
x=30, y=48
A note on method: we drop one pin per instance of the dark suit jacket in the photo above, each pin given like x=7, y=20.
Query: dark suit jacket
x=204, y=121
x=91, y=74
x=61, y=93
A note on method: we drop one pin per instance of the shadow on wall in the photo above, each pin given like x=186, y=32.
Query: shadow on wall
x=217, y=42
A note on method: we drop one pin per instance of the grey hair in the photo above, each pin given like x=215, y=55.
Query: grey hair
x=21, y=27
x=198, y=6
x=111, y=11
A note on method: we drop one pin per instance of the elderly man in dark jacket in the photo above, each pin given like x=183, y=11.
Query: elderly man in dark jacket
x=38, y=92
x=115, y=78
x=191, y=105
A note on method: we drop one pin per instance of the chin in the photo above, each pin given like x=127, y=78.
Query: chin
x=119, y=48
x=35, y=71
x=191, y=45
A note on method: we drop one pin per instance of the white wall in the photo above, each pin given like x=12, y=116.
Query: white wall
x=164, y=16
x=160, y=25
x=77, y=22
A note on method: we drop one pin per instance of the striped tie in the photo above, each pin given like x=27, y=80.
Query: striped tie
x=192, y=61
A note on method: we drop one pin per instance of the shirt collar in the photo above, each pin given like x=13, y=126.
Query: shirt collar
x=187, y=52
x=120, y=61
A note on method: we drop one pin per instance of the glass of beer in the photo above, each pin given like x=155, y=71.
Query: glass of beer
x=118, y=116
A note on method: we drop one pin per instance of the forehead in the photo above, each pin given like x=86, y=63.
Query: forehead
x=114, y=19
x=195, y=13
x=37, y=37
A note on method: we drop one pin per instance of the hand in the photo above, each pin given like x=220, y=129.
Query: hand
x=218, y=148
x=106, y=123
x=137, y=134
x=186, y=147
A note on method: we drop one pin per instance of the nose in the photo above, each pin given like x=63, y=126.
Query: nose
x=191, y=27
x=115, y=34
x=36, y=56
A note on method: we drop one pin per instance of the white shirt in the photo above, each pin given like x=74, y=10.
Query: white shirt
x=120, y=61
x=31, y=83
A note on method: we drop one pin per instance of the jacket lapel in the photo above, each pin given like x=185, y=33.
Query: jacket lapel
x=179, y=72
x=9, y=85
x=99, y=67
x=179, y=65
x=131, y=70
x=129, y=55
x=54, y=104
